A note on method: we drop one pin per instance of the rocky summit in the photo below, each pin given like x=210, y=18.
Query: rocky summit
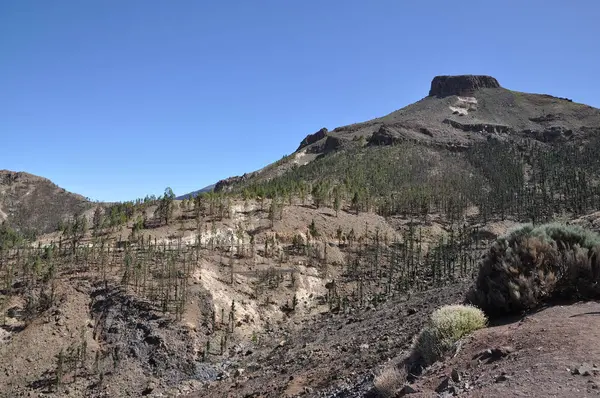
x=464, y=85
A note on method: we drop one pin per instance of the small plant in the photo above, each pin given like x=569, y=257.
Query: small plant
x=445, y=328
x=60, y=361
x=389, y=381
x=312, y=228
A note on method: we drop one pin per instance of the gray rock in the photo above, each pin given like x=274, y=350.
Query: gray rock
x=455, y=376
x=495, y=353
x=312, y=138
x=585, y=369
x=443, y=386
x=407, y=389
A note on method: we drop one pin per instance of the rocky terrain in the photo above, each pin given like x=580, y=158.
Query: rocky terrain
x=29, y=202
x=312, y=276
x=547, y=353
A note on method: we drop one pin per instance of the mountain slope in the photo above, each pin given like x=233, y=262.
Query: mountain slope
x=470, y=147
x=208, y=188
x=458, y=112
x=29, y=202
x=291, y=285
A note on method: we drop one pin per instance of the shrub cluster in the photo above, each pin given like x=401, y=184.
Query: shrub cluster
x=445, y=328
x=533, y=265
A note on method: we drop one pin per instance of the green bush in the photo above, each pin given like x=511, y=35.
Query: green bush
x=533, y=265
x=445, y=328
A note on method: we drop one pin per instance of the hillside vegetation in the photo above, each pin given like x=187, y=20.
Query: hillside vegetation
x=314, y=273
x=535, y=265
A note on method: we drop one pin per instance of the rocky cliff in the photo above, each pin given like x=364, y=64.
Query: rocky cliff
x=464, y=85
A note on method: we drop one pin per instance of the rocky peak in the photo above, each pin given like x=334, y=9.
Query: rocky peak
x=312, y=138
x=9, y=177
x=464, y=85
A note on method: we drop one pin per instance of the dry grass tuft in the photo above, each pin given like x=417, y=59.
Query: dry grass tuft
x=389, y=381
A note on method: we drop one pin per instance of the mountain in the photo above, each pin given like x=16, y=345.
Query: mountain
x=29, y=202
x=459, y=112
x=196, y=193
x=314, y=275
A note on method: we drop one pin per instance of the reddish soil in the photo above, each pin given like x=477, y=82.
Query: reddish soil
x=550, y=348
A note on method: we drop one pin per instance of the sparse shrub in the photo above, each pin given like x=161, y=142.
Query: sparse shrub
x=531, y=266
x=389, y=381
x=445, y=328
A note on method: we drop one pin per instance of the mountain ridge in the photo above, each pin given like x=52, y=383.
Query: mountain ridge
x=31, y=202
x=457, y=112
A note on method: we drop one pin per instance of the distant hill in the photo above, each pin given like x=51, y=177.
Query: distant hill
x=195, y=193
x=29, y=202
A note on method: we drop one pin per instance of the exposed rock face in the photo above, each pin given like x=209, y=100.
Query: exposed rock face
x=479, y=127
x=312, y=138
x=225, y=185
x=463, y=85
x=550, y=134
x=10, y=177
x=384, y=136
x=331, y=143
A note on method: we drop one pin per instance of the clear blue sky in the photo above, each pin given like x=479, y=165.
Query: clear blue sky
x=116, y=99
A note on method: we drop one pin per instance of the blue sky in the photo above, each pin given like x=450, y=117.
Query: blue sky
x=116, y=99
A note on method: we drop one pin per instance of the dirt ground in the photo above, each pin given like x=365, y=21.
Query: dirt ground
x=315, y=350
x=551, y=353
x=332, y=355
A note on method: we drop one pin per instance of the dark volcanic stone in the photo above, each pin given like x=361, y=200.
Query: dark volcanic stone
x=443, y=386
x=329, y=144
x=312, y=138
x=384, y=136
x=406, y=390
x=444, y=86
x=225, y=185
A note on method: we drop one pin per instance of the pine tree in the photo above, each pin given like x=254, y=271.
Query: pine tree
x=97, y=220
x=337, y=201
x=166, y=206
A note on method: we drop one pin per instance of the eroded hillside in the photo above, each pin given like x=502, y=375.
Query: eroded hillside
x=307, y=278
x=32, y=203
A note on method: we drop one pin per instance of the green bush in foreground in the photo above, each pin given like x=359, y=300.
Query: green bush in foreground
x=445, y=328
x=532, y=265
